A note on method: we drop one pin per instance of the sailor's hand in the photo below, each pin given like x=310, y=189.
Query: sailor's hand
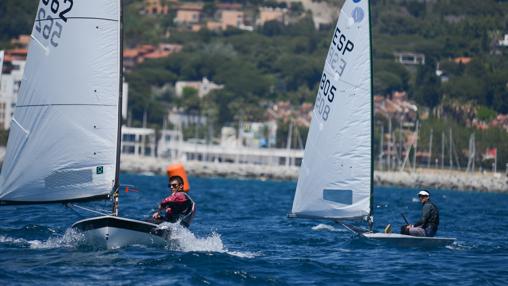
x=156, y=215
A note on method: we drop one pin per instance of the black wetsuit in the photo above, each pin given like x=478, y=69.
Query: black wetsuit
x=430, y=218
x=177, y=206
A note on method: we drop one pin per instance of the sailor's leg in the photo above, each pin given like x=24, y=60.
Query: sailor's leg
x=429, y=231
x=416, y=231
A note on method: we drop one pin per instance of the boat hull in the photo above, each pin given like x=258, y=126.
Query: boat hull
x=408, y=240
x=111, y=232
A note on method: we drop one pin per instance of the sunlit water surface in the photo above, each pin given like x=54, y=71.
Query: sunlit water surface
x=241, y=235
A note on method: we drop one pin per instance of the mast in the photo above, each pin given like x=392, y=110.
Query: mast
x=400, y=143
x=120, y=91
x=116, y=187
x=288, y=144
x=416, y=144
x=451, y=159
x=430, y=147
x=389, y=145
x=442, y=149
x=371, y=212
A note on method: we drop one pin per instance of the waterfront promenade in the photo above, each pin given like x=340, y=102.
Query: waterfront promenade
x=421, y=178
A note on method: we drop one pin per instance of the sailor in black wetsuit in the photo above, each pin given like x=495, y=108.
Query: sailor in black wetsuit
x=427, y=225
x=178, y=206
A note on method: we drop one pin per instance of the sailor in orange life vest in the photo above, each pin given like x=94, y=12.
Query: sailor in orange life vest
x=176, y=207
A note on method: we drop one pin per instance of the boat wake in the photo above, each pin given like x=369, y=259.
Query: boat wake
x=182, y=239
x=70, y=239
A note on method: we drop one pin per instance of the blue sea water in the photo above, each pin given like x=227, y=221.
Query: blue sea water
x=241, y=236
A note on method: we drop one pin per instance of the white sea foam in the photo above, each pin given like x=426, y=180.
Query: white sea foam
x=7, y=239
x=182, y=239
x=325, y=227
x=71, y=238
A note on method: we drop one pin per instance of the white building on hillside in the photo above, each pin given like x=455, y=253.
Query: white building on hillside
x=409, y=58
x=10, y=83
x=258, y=134
x=504, y=41
x=138, y=141
x=203, y=87
x=179, y=118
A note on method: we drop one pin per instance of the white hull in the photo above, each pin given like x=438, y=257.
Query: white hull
x=408, y=240
x=110, y=232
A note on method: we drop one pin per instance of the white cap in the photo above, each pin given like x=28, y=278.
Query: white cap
x=424, y=193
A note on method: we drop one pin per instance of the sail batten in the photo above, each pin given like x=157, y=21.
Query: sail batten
x=335, y=176
x=63, y=146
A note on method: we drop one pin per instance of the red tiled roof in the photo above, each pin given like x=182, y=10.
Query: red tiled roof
x=17, y=52
x=228, y=6
x=130, y=53
x=462, y=60
x=191, y=6
x=157, y=55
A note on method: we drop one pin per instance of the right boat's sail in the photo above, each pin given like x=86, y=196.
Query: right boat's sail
x=63, y=139
x=336, y=172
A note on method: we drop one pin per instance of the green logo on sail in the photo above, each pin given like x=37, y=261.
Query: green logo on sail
x=100, y=170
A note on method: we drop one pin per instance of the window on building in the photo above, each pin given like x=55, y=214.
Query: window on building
x=128, y=149
x=129, y=138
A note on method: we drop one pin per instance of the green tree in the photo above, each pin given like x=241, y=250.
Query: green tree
x=427, y=90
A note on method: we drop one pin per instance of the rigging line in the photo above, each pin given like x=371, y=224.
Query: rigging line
x=87, y=209
x=81, y=18
x=66, y=104
x=75, y=211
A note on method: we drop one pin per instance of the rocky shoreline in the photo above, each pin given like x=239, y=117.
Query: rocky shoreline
x=422, y=178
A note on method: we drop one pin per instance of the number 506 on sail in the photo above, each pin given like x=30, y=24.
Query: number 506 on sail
x=326, y=94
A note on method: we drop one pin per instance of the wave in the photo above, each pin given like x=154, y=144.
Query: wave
x=182, y=239
x=325, y=227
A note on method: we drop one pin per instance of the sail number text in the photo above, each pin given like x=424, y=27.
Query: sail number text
x=325, y=96
x=47, y=23
x=336, y=55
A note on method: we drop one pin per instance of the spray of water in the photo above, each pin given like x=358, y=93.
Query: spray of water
x=70, y=239
x=6, y=239
x=182, y=239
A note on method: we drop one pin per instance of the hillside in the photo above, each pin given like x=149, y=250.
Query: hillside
x=282, y=62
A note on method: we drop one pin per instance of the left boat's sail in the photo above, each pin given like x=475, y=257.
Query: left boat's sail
x=63, y=138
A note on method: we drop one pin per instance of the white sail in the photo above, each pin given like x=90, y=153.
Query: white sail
x=63, y=137
x=335, y=176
